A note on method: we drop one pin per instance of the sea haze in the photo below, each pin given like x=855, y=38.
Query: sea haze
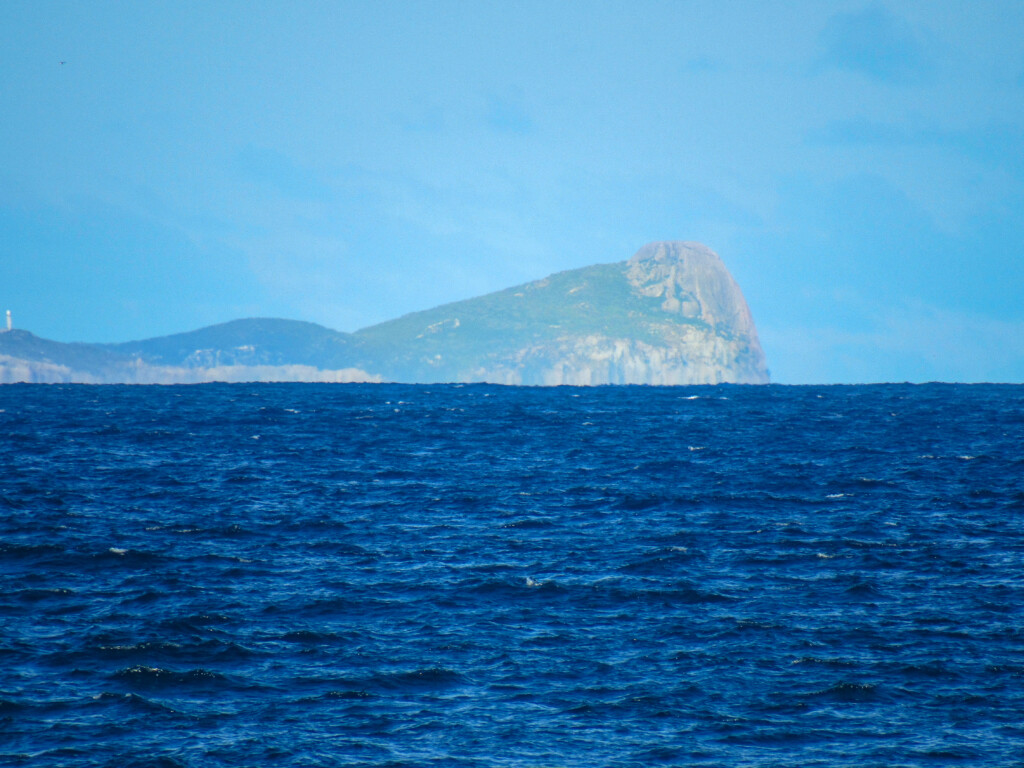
x=396, y=575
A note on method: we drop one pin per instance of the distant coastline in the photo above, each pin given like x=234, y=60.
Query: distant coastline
x=670, y=315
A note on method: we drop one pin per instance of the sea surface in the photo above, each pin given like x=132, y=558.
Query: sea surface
x=387, y=575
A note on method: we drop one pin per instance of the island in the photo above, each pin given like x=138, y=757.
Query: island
x=670, y=315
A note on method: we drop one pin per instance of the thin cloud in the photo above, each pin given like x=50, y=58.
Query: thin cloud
x=275, y=170
x=507, y=115
x=874, y=43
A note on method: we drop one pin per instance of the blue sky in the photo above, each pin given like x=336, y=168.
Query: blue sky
x=859, y=166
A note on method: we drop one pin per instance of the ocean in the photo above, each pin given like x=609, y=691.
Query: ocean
x=446, y=575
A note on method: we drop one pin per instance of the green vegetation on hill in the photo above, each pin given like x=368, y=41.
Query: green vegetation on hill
x=89, y=358
x=255, y=341
x=455, y=338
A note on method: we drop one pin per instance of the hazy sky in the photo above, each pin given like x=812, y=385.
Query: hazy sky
x=859, y=166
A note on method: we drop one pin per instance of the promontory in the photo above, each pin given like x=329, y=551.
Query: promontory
x=672, y=314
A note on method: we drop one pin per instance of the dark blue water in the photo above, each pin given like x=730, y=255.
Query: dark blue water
x=376, y=575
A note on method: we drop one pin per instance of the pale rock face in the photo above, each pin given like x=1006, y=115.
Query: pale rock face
x=694, y=282
x=594, y=360
x=14, y=370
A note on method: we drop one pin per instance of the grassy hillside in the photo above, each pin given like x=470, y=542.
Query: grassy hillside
x=455, y=337
x=89, y=358
x=257, y=341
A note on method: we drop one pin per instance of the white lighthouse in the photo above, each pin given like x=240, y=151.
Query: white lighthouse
x=8, y=319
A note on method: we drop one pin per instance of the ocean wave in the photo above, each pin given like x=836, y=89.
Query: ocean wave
x=535, y=577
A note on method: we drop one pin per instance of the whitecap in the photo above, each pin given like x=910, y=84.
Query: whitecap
x=835, y=496
x=117, y=550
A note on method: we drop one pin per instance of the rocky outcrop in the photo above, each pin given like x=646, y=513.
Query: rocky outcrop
x=693, y=283
x=717, y=341
x=591, y=360
x=14, y=370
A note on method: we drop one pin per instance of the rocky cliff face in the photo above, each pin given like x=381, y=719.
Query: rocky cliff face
x=717, y=340
x=693, y=283
x=688, y=357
